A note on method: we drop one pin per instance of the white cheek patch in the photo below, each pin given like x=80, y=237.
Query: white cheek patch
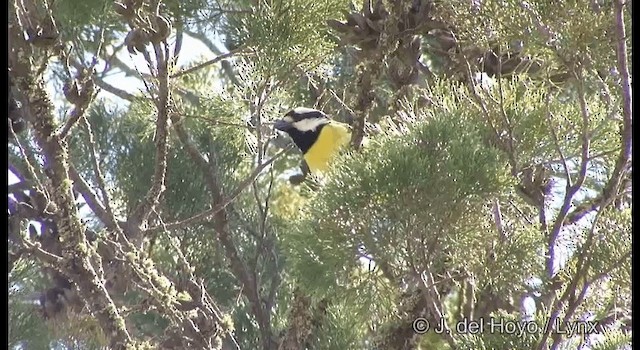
x=309, y=124
x=288, y=119
x=304, y=110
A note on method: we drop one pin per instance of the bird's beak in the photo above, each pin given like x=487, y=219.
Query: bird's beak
x=282, y=125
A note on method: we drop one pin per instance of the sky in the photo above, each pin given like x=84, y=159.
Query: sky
x=193, y=51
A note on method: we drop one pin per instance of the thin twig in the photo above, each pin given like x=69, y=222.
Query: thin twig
x=557, y=338
x=99, y=177
x=90, y=197
x=179, y=25
x=267, y=200
x=477, y=99
x=497, y=217
x=94, y=62
x=199, y=218
x=582, y=269
x=435, y=304
x=623, y=69
x=572, y=189
x=612, y=186
x=45, y=256
x=77, y=113
x=128, y=71
x=114, y=90
x=142, y=211
x=99, y=81
x=30, y=168
x=556, y=143
x=84, y=87
x=241, y=271
x=214, y=121
x=208, y=63
x=503, y=113
x=613, y=266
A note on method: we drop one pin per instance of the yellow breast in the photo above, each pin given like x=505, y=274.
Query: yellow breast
x=332, y=138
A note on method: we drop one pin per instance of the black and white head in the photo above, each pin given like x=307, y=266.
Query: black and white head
x=302, y=119
x=303, y=126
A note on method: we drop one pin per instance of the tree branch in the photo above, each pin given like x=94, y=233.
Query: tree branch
x=205, y=40
x=205, y=215
x=143, y=210
x=305, y=318
x=612, y=186
x=111, y=218
x=90, y=197
x=556, y=143
x=208, y=63
x=76, y=114
x=571, y=189
x=77, y=260
x=582, y=269
x=114, y=90
x=239, y=267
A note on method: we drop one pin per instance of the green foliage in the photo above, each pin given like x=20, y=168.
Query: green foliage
x=611, y=246
x=286, y=34
x=148, y=324
x=339, y=330
x=84, y=331
x=104, y=120
x=24, y=318
x=134, y=157
x=570, y=30
x=429, y=185
x=580, y=30
x=513, y=259
x=613, y=340
x=73, y=16
x=197, y=14
x=87, y=23
x=221, y=144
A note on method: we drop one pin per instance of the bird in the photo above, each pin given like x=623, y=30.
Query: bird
x=318, y=137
